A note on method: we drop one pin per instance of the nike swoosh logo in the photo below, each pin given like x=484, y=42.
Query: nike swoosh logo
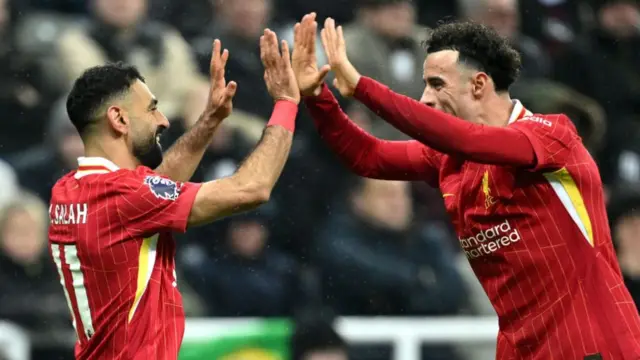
x=446, y=195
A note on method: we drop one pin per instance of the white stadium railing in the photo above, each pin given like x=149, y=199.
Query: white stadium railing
x=14, y=342
x=405, y=334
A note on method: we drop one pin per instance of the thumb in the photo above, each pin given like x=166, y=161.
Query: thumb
x=230, y=91
x=336, y=84
x=322, y=73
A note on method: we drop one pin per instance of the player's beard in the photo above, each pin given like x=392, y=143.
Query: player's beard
x=149, y=152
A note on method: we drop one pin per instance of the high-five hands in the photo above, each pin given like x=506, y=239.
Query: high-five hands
x=305, y=64
x=219, y=104
x=278, y=74
x=347, y=76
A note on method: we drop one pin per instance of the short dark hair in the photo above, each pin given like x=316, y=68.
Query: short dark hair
x=96, y=86
x=314, y=336
x=479, y=46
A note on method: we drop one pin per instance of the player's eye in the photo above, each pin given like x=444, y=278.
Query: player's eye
x=435, y=83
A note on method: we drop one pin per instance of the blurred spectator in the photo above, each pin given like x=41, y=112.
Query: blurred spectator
x=503, y=16
x=119, y=31
x=624, y=217
x=316, y=340
x=603, y=66
x=29, y=284
x=555, y=23
x=239, y=24
x=9, y=181
x=341, y=10
x=40, y=167
x=256, y=279
x=66, y=6
x=21, y=97
x=189, y=20
x=373, y=263
x=385, y=43
x=432, y=13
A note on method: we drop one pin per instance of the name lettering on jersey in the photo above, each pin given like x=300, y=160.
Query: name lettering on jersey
x=162, y=188
x=489, y=241
x=539, y=120
x=486, y=190
x=68, y=214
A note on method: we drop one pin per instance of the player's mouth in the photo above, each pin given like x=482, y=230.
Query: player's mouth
x=158, y=134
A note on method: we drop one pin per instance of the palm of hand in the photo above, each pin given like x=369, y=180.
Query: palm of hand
x=335, y=48
x=220, y=102
x=306, y=69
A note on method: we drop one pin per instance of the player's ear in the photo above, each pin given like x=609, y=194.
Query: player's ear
x=118, y=120
x=479, y=84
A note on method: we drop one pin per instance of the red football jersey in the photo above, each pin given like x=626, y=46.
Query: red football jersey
x=539, y=242
x=538, y=239
x=110, y=238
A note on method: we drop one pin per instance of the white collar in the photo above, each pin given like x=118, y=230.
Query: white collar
x=94, y=165
x=518, y=112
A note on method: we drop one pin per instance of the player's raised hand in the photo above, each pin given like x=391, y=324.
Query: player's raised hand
x=347, y=76
x=221, y=94
x=304, y=61
x=278, y=74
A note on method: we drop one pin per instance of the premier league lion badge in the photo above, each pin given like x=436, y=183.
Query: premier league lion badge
x=163, y=188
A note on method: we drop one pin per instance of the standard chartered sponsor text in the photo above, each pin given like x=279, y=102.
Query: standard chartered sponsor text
x=490, y=240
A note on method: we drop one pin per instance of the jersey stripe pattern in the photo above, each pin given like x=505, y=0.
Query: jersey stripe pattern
x=111, y=240
x=538, y=240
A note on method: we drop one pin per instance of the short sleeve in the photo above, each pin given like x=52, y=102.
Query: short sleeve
x=148, y=203
x=552, y=137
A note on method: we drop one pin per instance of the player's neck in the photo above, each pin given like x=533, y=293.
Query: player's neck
x=497, y=110
x=118, y=155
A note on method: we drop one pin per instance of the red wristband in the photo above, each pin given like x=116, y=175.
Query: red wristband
x=284, y=114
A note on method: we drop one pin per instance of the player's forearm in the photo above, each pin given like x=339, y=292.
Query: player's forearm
x=182, y=159
x=357, y=149
x=251, y=185
x=263, y=167
x=444, y=132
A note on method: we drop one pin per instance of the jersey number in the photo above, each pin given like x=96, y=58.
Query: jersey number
x=72, y=280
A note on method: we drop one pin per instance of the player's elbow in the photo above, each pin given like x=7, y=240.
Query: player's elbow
x=259, y=194
x=254, y=193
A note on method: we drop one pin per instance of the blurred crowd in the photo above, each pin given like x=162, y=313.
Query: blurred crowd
x=328, y=243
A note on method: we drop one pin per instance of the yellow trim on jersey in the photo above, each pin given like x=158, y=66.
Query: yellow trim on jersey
x=565, y=187
x=146, y=262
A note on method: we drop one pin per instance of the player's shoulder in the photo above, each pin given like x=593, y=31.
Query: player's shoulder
x=118, y=181
x=148, y=181
x=547, y=122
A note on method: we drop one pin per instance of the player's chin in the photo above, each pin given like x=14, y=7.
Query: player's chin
x=150, y=155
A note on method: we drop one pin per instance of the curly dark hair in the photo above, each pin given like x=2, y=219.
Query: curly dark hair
x=95, y=87
x=480, y=47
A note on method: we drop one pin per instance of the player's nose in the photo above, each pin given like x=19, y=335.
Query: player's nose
x=428, y=98
x=162, y=120
x=431, y=102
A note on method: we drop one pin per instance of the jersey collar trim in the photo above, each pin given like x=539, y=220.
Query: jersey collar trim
x=518, y=112
x=94, y=165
